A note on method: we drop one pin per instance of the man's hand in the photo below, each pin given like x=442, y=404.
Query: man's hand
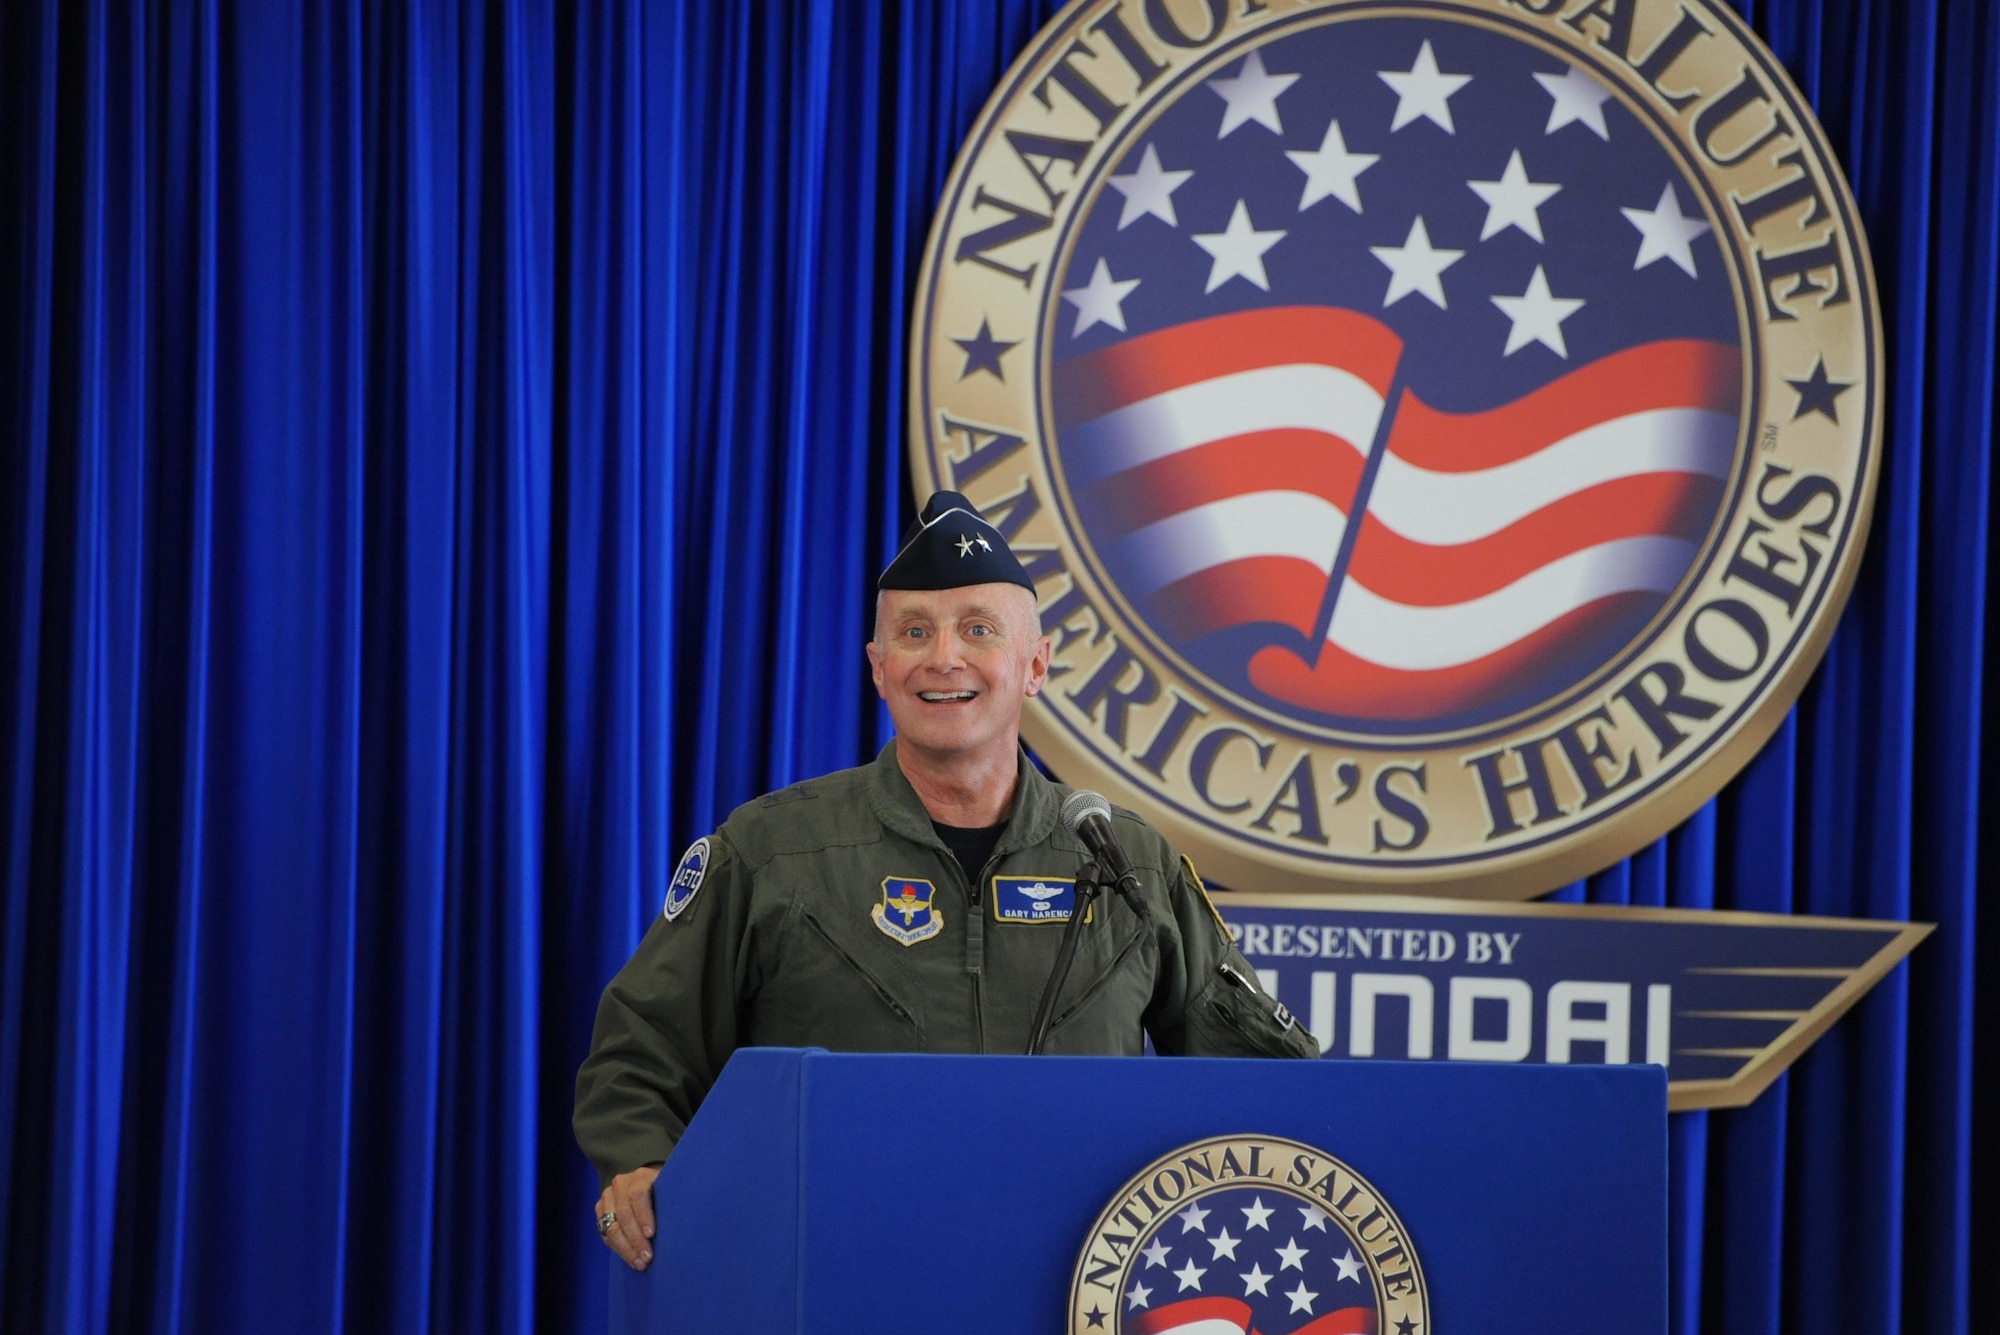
x=628, y=1203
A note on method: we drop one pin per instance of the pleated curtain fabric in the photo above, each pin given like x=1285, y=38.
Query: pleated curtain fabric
x=444, y=453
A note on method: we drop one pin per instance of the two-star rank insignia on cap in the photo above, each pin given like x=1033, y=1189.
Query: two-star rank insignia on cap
x=952, y=546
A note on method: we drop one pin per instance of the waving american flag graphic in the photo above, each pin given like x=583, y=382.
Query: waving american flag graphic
x=1250, y=1260
x=1415, y=426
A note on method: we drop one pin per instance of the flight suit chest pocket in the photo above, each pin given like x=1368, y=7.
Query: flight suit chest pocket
x=826, y=993
x=1102, y=1009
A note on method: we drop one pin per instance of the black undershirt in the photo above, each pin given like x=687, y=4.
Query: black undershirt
x=972, y=847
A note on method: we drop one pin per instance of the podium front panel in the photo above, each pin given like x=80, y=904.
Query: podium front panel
x=940, y=1192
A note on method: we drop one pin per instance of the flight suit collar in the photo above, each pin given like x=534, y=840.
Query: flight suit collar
x=898, y=807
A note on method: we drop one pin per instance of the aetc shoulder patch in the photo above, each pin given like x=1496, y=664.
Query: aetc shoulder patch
x=1288, y=1220
x=687, y=878
x=1442, y=436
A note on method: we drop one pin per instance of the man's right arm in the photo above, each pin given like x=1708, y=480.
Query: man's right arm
x=665, y=1025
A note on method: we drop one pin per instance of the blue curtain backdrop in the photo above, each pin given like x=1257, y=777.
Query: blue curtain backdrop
x=446, y=448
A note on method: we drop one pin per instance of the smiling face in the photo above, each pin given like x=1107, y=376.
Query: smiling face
x=956, y=666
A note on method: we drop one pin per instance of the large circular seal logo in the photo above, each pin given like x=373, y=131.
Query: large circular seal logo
x=1443, y=434
x=1249, y=1233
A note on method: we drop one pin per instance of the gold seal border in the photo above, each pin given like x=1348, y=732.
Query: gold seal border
x=1529, y=866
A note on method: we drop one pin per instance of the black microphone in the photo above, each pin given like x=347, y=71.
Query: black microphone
x=1088, y=817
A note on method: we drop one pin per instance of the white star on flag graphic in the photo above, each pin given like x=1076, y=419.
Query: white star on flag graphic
x=1252, y=95
x=1149, y=191
x=1665, y=233
x=1423, y=91
x=1538, y=316
x=1513, y=200
x=1331, y=171
x=1416, y=266
x=1579, y=100
x=1238, y=250
x=1100, y=300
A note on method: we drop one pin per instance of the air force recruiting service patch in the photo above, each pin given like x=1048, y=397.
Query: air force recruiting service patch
x=1249, y=1233
x=1442, y=435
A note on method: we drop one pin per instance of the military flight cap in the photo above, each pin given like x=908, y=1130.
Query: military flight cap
x=951, y=546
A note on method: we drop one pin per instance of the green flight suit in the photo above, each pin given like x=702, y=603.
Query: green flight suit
x=780, y=947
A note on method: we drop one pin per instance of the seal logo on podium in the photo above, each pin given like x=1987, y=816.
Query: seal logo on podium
x=1243, y=1233
x=1443, y=435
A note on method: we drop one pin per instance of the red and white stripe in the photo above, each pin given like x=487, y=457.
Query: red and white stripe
x=1216, y=464
x=1228, y=1316
x=1196, y=1316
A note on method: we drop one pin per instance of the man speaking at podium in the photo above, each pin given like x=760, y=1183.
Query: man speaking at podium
x=914, y=904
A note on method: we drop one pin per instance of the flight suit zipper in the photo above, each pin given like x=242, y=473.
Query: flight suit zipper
x=975, y=954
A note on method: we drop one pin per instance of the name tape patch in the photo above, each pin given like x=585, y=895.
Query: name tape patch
x=1034, y=898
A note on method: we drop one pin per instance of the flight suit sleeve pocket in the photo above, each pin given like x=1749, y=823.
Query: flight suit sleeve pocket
x=1232, y=1017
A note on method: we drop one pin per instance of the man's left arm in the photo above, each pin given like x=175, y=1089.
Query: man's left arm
x=1215, y=1007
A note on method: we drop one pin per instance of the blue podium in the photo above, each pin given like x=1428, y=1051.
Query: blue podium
x=829, y=1192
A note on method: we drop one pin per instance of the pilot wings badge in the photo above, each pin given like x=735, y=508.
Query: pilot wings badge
x=906, y=913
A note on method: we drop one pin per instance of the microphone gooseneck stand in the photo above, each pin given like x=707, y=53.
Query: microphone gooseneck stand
x=1087, y=891
x=1088, y=816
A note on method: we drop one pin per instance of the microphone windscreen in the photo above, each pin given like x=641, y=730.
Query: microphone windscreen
x=1081, y=806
